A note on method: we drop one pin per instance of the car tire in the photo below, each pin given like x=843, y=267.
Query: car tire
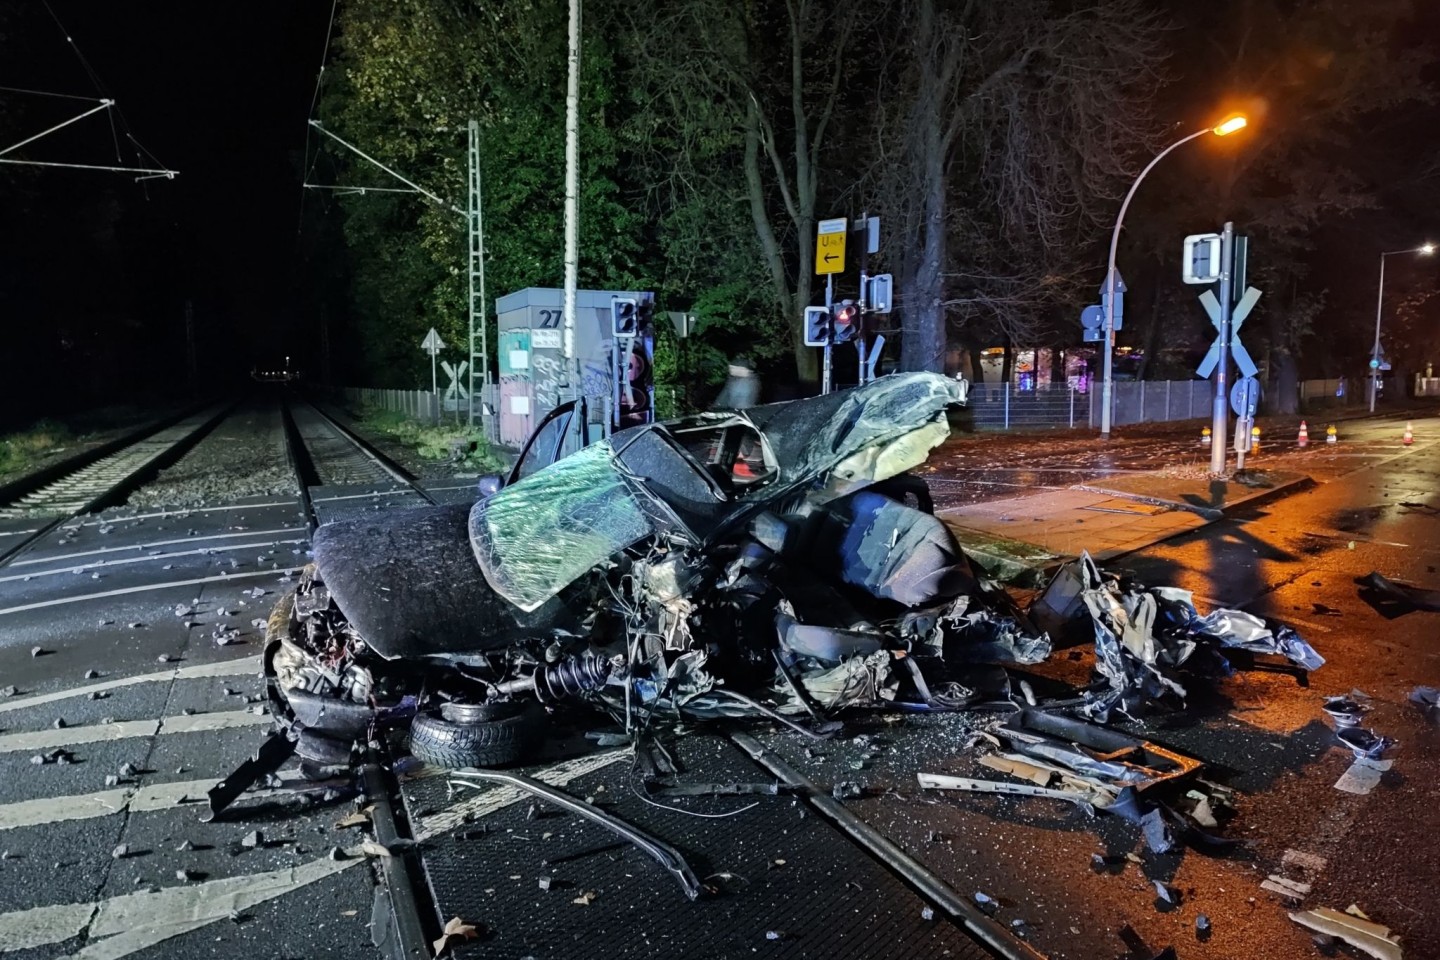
x=486, y=743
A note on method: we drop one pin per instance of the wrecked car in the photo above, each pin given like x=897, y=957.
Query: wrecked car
x=756, y=562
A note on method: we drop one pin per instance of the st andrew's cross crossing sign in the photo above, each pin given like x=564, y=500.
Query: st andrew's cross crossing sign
x=1242, y=310
x=457, y=389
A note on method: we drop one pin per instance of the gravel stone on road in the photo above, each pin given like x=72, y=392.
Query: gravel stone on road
x=243, y=457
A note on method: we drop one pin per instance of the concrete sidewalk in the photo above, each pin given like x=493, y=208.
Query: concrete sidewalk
x=1011, y=537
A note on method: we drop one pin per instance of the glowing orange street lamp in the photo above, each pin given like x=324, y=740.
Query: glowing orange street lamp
x=1230, y=125
x=1112, y=276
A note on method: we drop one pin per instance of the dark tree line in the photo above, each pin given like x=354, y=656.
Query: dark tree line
x=994, y=140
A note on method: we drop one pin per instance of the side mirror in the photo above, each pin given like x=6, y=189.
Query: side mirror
x=489, y=485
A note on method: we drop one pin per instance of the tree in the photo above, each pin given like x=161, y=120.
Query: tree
x=761, y=87
x=1003, y=130
x=410, y=79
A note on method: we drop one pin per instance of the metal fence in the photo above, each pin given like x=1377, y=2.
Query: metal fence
x=997, y=406
x=1154, y=401
x=416, y=404
x=992, y=406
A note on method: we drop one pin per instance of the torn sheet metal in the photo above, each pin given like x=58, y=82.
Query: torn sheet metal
x=991, y=632
x=1096, y=751
x=1142, y=635
x=1245, y=631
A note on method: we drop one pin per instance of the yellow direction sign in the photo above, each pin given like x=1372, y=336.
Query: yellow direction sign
x=830, y=246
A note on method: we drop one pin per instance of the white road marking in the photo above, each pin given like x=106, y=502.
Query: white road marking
x=123, y=925
x=499, y=797
x=404, y=491
x=225, y=668
x=150, y=558
x=139, y=799
x=17, y=533
x=154, y=543
x=111, y=521
x=147, y=588
x=40, y=740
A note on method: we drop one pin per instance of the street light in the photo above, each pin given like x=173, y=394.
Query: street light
x=1425, y=249
x=1227, y=126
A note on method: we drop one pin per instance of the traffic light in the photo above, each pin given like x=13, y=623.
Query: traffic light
x=817, y=326
x=633, y=352
x=845, y=321
x=625, y=316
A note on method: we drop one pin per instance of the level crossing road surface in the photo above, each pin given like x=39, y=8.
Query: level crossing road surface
x=142, y=691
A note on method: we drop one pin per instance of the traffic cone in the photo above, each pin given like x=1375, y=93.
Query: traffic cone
x=1205, y=437
x=1409, y=437
x=1331, y=435
x=1304, y=438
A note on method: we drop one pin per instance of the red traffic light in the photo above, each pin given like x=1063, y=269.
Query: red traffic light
x=845, y=317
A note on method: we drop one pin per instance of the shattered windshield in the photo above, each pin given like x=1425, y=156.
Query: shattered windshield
x=538, y=536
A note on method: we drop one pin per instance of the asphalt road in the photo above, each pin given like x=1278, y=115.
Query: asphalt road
x=117, y=593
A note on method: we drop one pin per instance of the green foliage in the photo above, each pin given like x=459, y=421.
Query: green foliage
x=433, y=442
x=19, y=451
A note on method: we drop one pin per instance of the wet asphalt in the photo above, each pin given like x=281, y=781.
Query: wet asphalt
x=102, y=595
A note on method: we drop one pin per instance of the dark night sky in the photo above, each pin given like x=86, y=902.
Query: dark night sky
x=222, y=93
x=221, y=97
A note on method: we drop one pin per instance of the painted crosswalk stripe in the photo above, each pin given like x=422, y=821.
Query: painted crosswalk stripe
x=110, y=521
x=128, y=729
x=123, y=925
x=137, y=799
x=152, y=544
x=155, y=558
x=225, y=668
x=148, y=588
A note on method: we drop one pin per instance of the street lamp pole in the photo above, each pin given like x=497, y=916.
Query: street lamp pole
x=1112, y=275
x=1425, y=250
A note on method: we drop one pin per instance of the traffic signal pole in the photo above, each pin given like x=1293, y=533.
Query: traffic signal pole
x=1220, y=417
x=829, y=307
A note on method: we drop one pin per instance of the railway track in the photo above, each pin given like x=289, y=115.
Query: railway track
x=234, y=559
x=104, y=482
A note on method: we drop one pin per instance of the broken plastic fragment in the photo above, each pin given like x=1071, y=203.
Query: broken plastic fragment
x=1157, y=832
x=1365, y=743
x=1344, y=710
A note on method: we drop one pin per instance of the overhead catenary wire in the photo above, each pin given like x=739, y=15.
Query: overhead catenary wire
x=314, y=102
x=113, y=112
x=148, y=173
x=47, y=93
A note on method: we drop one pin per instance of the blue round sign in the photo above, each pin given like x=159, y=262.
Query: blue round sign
x=1245, y=396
